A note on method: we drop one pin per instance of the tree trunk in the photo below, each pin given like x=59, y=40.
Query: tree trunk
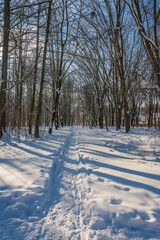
x=20, y=76
x=39, y=107
x=106, y=120
x=4, y=66
x=101, y=116
x=35, y=77
x=54, y=113
x=118, y=119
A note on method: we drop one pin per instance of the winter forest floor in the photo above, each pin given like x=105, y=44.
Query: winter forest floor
x=81, y=183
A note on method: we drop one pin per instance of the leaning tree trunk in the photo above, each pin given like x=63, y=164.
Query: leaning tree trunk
x=4, y=66
x=39, y=107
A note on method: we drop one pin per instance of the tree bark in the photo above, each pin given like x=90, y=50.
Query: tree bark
x=39, y=107
x=101, y=116
x=31, y=113
x=4, y=66
x=54, y=113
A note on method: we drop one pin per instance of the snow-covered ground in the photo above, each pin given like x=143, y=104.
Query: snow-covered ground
x=81, y=183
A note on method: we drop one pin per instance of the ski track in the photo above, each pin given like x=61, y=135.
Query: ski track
x=65, y=218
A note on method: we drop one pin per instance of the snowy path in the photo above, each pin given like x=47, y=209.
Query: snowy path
x=65, y=218
x=81, y=184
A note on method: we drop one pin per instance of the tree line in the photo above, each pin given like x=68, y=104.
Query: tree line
x=91, y=62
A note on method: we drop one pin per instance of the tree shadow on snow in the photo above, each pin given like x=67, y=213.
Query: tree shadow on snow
x=114, y=178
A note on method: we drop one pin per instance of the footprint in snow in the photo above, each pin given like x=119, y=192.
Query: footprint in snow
x=116, y=201
x=88, y=190
x=101, y=179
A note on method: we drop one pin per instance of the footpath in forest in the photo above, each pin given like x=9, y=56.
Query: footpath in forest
x=81, y=184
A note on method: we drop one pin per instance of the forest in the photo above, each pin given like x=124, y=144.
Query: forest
x=79, y=120
x=66, y=62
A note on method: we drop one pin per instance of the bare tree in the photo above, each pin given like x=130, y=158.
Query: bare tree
x=6, y=30
x=31, y=113
x=146, y=15
x=39, y=107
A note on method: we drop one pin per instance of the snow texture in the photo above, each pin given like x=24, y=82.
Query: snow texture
x=81, y=184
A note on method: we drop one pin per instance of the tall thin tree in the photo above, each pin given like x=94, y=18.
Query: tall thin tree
x=39, y=107
x=6, y=29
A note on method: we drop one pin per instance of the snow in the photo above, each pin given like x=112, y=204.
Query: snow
x=81, y=183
